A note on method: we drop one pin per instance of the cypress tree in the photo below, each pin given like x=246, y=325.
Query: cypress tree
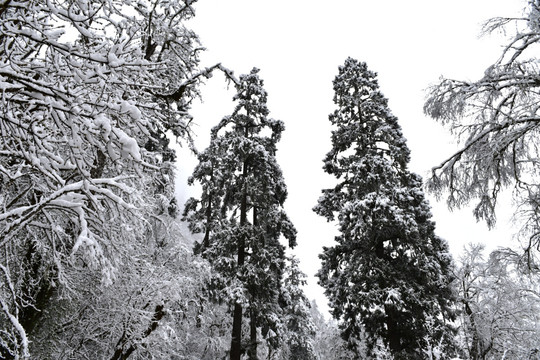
x=388, y=274
x=241, y=214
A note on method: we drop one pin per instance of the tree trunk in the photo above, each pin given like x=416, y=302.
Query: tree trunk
x=39, y=295
x=206, y=240
x=477, y=349
x=252, y=353
x=236, y=341
x=394, y=337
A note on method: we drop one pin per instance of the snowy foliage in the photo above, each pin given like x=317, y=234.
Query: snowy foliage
x=156, y=308
x=496, y=119
x=388, y=274
x=88, y=90
x=501, y=306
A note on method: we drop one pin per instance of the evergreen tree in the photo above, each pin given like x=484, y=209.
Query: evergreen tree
x=241, y=213
x=298, y=321
x=388, y=274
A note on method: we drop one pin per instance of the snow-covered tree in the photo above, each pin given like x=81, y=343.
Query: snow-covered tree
x=299, y=326
x=388, y=273
x=497, y=122
x=88, y=91
x=327, y=342
x=500, y=306
x=241, y=214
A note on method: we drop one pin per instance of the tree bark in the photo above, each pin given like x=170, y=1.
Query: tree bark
x=236, y=341
x=252, y=353
x=477, y=349
x=394, y=337
x=206, y=240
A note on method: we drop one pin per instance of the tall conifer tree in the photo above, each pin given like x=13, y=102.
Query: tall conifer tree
x=300, y=327
x=241, y=213
x=388, y=273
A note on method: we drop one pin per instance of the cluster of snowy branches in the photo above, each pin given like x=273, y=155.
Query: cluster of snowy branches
x=89, y=90
x=85, y=106
x=496, y=120
x=501, y=306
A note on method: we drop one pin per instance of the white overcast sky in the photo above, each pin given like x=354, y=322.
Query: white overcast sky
x=299, y=44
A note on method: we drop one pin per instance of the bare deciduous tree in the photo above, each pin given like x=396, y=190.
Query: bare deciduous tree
x=497, y=121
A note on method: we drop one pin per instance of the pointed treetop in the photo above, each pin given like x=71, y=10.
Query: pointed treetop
x=363, y=120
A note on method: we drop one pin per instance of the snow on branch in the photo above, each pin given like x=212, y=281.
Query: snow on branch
x=84, y=156
x=69, y=197
x=13, y=316
x=496, y=122
x=207, y=73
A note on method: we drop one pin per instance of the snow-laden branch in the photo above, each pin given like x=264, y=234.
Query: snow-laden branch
x=69, y=197
x=13, y=318
x=207, y=73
